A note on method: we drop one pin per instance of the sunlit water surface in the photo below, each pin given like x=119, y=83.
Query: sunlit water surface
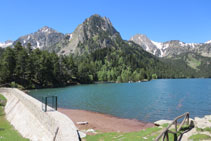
x=145, y=101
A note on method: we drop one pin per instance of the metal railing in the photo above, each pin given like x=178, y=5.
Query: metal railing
x=165, y=132
x=54, y=102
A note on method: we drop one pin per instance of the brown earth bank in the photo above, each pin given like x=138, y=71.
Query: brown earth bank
x=104, y=122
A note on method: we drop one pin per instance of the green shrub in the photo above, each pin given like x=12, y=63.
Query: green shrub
x=15, y=85
x=198, y=137
x=154, y=76
x=3, y=100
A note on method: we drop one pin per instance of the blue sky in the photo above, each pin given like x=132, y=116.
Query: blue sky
x=160, y=20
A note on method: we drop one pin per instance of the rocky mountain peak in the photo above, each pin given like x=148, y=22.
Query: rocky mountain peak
x=171, y=48
x=42, y=38
x=173, y=42
x=96, y=23
x=95, y=32
x=146, y=44
x=140, y=38
x=8, y=41
x=46, y=29
x=101, y=20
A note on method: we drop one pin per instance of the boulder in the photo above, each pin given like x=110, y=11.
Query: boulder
x=202, y=122
x=161, y=122
x=90, y=130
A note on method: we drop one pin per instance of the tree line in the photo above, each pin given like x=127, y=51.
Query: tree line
x=27, y=68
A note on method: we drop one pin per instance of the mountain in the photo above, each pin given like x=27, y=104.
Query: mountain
x=6, y=44
x=100, y=54
x=94, y=33
x=98, y=32
x=146, y=44
x=192, y=57
x=42, y=39
x=172, y=48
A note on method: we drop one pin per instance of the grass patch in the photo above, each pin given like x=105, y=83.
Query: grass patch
x=203, y=130
x=3, y=100
x=180, y=132
x=193, y=62
x=7, y=132
x=148, y=134
x=199, y=137
x=165, y=125
x=2, y=97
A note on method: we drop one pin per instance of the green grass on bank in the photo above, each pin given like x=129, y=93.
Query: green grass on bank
x=199, y=137
x=3, y=100
x=2, y=97
x=7, y=132
x=148, y=134
x=204, y=130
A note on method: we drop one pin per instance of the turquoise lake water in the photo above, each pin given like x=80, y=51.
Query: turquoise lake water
x=145, y=101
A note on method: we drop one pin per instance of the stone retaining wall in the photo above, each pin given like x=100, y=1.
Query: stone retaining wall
x=25, y=114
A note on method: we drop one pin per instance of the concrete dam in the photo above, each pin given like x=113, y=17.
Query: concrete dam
x=26, y=115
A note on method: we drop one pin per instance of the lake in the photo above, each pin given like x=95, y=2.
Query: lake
x=145, y=101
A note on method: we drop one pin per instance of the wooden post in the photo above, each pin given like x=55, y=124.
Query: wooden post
x=175, y=137
x=188, y=119
x=167, y=135
x=164, y=135
x=175, y=125
x=165, y=132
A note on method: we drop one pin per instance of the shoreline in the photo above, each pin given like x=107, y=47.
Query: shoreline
x=27, y=90
x=104, y=122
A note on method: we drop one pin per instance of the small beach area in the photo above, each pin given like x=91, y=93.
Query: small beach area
x=104, y=122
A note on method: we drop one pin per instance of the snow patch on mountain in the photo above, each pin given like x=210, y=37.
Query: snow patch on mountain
x=70, y=35
x=189, y=44
x=6, y=44
x=208, y=42
x=46, y=29
x=160, y=47
x=158, y=44
x=38, y=45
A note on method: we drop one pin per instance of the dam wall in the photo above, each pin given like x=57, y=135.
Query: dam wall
x=25, y=114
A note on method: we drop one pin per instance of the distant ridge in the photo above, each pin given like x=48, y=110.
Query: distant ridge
x=171, y=48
